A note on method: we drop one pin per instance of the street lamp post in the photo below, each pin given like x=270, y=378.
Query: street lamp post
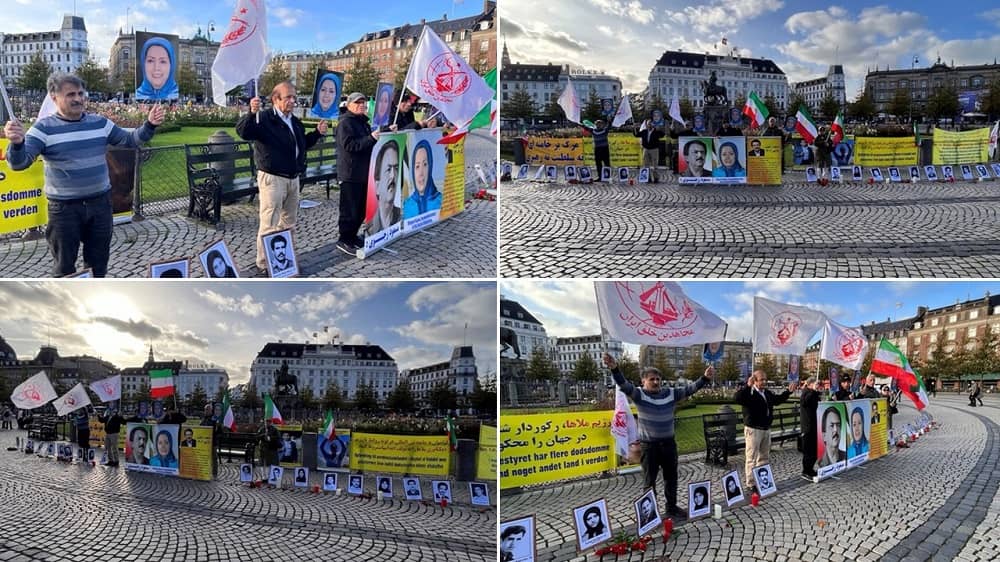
x=913, y=66
x=209, y=29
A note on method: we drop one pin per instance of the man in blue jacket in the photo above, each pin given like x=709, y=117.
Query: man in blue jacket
x=655, y=406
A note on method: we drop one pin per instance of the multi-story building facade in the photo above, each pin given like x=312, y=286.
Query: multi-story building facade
x=64, y=49
x=317, y=366
x=211, y=379
x=584, y=81
x=459, y=373
x=66, y=371
x=529, y=330
x=815, y=91
x=961, y=325
x=969, y=82
x=567, y=351
x=679, y=74
x=677, y=358
x=197, y=53
x=541, y=81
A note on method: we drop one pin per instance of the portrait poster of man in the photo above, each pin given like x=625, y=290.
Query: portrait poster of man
x=171, y=269
x=996, y=169
x=570, y=173
x=592, y=524
x=290, y=445
x=479, y=493
x=383, y=105
x=699, y=499
x=831, y=446
x=858, y=431
x=876, y=174
x=411, y=489
x=279, y=247
x=983, y=172
x=333, y=453
x=734, y=490
x=764, y=478
x=835, y=174
x=506, y=169
x=442, y=490
x=947, y=173
x=384, y=206
x=326, y=95
x=694, y=161
x=138, y=447
x=423, y=179
x=156, y=66
x=894, y=174
x=246, y=472
x=522, y=172
x=585, y=174
x=517, y=540
x=966, y=172
x=330, y=482
x=856, y=173
x=647, y=514
x=217, y=262
x=356, y=484
x=274, y=475
x=644, y=175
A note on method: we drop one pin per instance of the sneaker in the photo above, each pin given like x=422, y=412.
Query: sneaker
x=806, y=476
x=347, y=248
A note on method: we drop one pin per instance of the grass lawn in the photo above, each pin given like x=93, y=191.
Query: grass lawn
x=189, y=135
x=164, y=175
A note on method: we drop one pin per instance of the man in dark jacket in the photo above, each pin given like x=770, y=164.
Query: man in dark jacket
x=355, y=141
x=758, y=412
x=602, y=150
x=675, y=134
x=808, y=404
x=280, y=143
x=112, y=427
x=651, y=137
x=844, y=393
x=773, y=130
x=824, y=150
x=405, y=118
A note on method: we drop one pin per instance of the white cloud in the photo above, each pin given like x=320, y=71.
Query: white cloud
x=630, y=9
x=287, y=17
x=157, y=5
x=992, y=16
x=723, y=15
x=245, y=304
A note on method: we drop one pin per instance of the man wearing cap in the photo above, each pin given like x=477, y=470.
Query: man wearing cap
x=280, y=143
x=405, y=118
x=355, y=141
x=655, y=405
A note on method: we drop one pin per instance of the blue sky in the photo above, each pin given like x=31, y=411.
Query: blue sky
x=292, y=24
x=228, y=323
x=626, y=37
x=568, y=308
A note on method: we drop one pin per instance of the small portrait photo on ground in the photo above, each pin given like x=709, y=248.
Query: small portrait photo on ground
x=585, y=175
x=592, y=524
x=442, y=490
x=734, y=490
x=171, y=269
x=479, y=493
x=765, y=480
x=570, y=173
x=522, y=172
x=275, y=473
x=384, y=485
x=280, y=251
x=931, y=173
x=356, y=484
x=246, y=472
x=302, y=477
x=606, y=174
x=517, y=540
x=217, y=262
x=647, y=515
x=411, y=488
x=329, y=481
x=835, y=173
x=699, y=498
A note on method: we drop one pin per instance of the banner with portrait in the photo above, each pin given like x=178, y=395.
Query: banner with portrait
x=729, y=160
x=333, y=453
x=550, y=151
x=880, y=152
x=831, y=438
x=325, y=103
x=152, y=448
x=382, y=113
x=423, y=179
x=542, y=448
x=764, y=160
x=156, y=66
x=22, y=197
x=965, y=147
x=843, y=152
x=694, y=160
x=486, y=459
x=850, y=433
x=196, y=452
x=404, y=454
x=879, y=436
x=290, y=445
x=384, y=207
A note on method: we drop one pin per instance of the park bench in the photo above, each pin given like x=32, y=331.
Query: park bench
x=241, y=445
x=43, y=428
x=724, y=432
x=321, y=163
x=218, y=173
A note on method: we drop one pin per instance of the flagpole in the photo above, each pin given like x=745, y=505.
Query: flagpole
x=402, y=91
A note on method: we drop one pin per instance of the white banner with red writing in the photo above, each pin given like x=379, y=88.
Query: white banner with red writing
x=783, y=328
x=623, y=425
x=655, y=313
x=843, y=345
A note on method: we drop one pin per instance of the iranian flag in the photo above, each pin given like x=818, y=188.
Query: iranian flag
x=805, y=125
x=891, y=362
x=452, y=433
x=483, y=118
x=228, y=417
x=329, y=426
x=837, y=128
x=271, y=411
x=161, y=383
x=755, y=110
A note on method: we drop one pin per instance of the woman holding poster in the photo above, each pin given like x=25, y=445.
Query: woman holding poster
x=158, y=65
x=425, y=195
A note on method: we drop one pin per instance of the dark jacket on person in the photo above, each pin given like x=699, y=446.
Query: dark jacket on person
x=687, y=132
x=867, y=392
x=758, y=412
x=808, y=404
x=174, y=418
x=274, y=146
x=354, y=147
x=842, y=394
x=773, y=132
x=406, y=120
x=824, y=146
x=112, y=423
x=727, y=130
x=651, y=137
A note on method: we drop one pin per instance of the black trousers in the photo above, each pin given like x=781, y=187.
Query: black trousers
x=809, y=451
x=657, y=456
x=352, y=210
x=602, y=155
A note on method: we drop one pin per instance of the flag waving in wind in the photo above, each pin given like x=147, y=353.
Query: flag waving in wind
x=623, y=425
x=842, y=345
x=437, y=73
x=34, y=392
x=783, y=328
x=837, y=128
x=675, y=111
x=623, y=114
x=891, y=362
x=805, y=125
x=228, y=417
x=329, y=429
x=655, y=313
x=755, y=110
x=73, y=400
x=570, y=103
x=243, y=53
x=271, y=411
x=486, y=115
x=108, y=389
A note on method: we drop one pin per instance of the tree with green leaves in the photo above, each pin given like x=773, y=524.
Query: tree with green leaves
x=250, y=400
x=540, y=366
x=399, y=76
x=629, y=367
x=773, y=110
x=197, y=400
x=795, y=101
x=401, y=398
x=900, y=103
x=442, y=397
x=943, y=104
x=95, y=78
x=765, y=362
x=592, y=107
x=141, y=395
x=484, y=397
x=585, y=369
x=695, y=368
x=687, y=110
x=829, y=107
x=986, y=357
x=520, y=106
x=306, y=80
x=991, y=101
x=863, y=108
x=307, y=398
x=654, y=102
x=275, y=73
x=362, y=77
x=662, y=365
x=729, y=370
x=333, y=399
x=35, y=74
x=552, y=110
x=365, y=399
x=187, y=81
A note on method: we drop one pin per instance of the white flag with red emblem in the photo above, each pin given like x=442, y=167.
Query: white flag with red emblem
x=783, y=328
x=73, y=400
x=108, y=389
x=655, y=313
x=624, y=428
x=243, y=53
x=444, y=79
x=843, y=345
x=34, y=392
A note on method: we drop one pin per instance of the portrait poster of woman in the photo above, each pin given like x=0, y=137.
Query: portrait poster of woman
x=423, y=179
x=383, y=105
x=326, y=95
x=592, y=524
x=699, y=499
x=156, y=66
x=165, y=458
x=217, y=262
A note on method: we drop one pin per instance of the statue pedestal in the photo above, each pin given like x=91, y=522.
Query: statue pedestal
x=287, y=405
x=715, y=115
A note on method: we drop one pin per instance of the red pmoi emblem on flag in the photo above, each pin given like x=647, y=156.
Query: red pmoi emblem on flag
x=849, y=345
x=445, y=79
x=31, y=393
x=619, y=420
x=239, y=29
x=70, y=401
x=657, y=311
x=108, y=389
x=784, y=327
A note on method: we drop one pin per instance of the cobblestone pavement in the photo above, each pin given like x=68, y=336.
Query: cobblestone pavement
x=463, y=246
x=936, y=500
x=56, y=511
x=795, y=230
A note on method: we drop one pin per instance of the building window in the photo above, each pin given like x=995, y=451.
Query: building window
x=971, y=333
x=952, y=318
x=973, y=314
x=934, y=321
x=951, y=335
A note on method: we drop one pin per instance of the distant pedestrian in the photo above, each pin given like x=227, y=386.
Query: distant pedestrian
x=7, y=415
x=808, y=404
x=867, y=389
x=602, y=150
x=270, y=441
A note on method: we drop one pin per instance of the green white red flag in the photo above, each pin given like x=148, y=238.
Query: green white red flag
x=161, y=383
x=329, y=426
x=805, y=125
x=755, y=110
x=228, y=417
x=837, y=128
x=452, y=433
x=271, y=411
x=891, y=362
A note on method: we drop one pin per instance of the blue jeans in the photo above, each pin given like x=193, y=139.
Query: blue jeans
x=87, y=221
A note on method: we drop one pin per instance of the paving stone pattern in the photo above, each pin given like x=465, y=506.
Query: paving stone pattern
x=463, y=246
x=934, y=501
x=794, y=230
x=55, y=511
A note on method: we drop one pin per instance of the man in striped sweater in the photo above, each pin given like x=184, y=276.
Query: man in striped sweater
x=655, y=406
x=77, y=185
